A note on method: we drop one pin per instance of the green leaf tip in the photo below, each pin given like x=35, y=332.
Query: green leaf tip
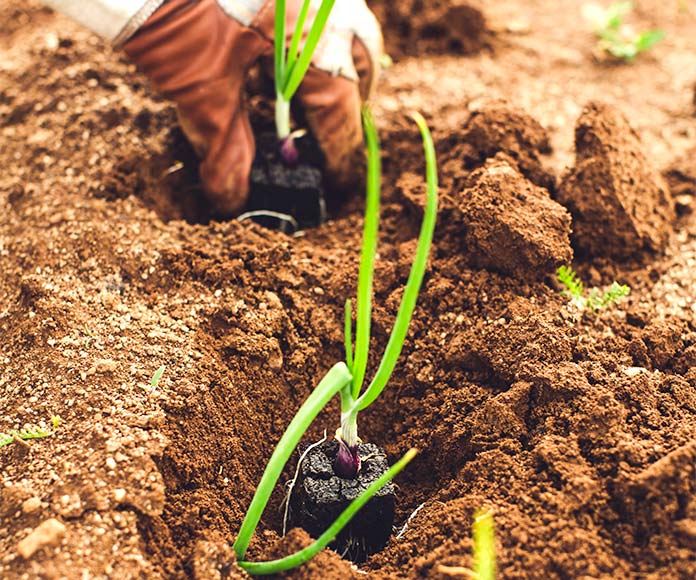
x=154, y=382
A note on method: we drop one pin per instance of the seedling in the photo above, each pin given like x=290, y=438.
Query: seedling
x=154, y=382
x=291, y=65
x=484, y=546
x=31, y=432
x=341, y=378
x=617, y=38
x=596, y=300
x=353, y=398
x=485, y=560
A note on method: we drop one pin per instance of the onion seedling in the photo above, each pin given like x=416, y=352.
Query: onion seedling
x=290, y=67
x=341, y=378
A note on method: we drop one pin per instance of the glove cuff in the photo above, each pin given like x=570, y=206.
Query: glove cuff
x=137, y=20
x=113, y=20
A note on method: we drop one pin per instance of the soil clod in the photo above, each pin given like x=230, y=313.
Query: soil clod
x=620, y=204
x=511, y=225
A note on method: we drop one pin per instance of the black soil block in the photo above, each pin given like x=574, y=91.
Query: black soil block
x=319, y=496
x=276, y=187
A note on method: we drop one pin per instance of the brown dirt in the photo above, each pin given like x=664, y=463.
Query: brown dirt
x=576, y=430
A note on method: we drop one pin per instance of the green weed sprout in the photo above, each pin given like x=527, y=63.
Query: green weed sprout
x=31, y=432
x=615, y=36
x=154, y=382
x=340, y=378
x=484, y=546
x=485, y=559
x=291, y=64
x=596, y=300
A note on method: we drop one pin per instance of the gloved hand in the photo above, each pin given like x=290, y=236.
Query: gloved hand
x=198, y=54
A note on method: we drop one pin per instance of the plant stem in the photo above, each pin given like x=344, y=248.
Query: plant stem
x=334, y=380
x=328, y=536
x=349, y=427
x=282, y=116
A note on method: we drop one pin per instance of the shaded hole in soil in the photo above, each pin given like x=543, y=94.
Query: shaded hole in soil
x=166, y=183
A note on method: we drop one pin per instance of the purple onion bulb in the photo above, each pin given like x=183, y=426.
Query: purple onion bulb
x=347, y=462
x=288, y=151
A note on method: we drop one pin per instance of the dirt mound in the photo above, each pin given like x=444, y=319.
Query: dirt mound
x=496, y=127
x=417, y=27
x=681, y=177
x=621, y=207
x=503, y=222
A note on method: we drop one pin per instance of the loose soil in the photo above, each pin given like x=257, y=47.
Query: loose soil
x=577, y=430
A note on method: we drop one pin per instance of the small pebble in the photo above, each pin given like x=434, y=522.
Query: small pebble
x=31, y=505
x=48, y=533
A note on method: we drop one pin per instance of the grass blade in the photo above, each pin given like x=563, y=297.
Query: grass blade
x=415, y=278
x=337, y=377
x=367, y=257
x=295, y=76
x=302, y=556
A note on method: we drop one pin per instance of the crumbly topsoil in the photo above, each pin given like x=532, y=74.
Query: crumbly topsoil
x=576, y=430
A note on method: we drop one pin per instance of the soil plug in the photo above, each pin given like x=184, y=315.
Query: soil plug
x=323, y=493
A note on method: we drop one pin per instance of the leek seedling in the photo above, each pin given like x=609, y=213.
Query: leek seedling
x=341, y=377
x=290, y=67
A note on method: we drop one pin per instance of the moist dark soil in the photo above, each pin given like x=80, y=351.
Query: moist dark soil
x=577, y=430
x=295, y=190
x=319, y=496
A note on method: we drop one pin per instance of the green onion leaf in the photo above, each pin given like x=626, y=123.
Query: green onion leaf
x=367, y=256
x=348, y=334
x=279, y=42
x=294, y=51
x=415, y=278
x=295, y=76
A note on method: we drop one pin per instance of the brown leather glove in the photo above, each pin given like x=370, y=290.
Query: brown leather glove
x=198, y=54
